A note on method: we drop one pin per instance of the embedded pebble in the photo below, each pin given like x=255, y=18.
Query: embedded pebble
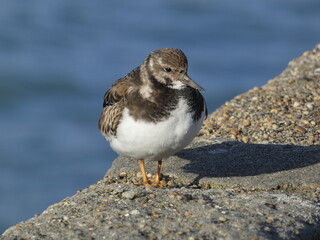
x=122, y=174
x=135, y=212
x=296, y=104
x=301, y=129
x=309, y=106
x=129, y=194
x=222, y=219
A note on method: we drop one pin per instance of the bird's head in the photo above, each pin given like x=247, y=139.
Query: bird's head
x=169, y=66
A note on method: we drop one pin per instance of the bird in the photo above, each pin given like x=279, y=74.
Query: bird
x=154, y=111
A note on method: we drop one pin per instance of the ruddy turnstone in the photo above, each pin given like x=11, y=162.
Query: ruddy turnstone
x=154, y=111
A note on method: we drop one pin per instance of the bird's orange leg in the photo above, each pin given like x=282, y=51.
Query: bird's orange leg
x=144, y=174
x=156, y=180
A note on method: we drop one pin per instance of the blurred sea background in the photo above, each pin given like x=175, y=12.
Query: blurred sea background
x=57, y=59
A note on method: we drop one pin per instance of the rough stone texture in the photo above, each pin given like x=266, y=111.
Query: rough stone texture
x=102, y=211
x=285, y=111
x=224, y=164
x=253, y=174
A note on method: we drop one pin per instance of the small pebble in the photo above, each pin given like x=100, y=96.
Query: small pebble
x=245, y=139
x=296, y=104
x=135, y=212
x=309, y=106
x=270, y=220
x=129, y=194
x=246, y=123
x=122, y=174
x=234, y=131
x=179, y=197
x=151, y=195
x=301, y=129
x=222, y=219
x=30, y=225
x=187, y=213
x=118, y=190
x=267, y=229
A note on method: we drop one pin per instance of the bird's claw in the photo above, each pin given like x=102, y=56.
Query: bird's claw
x=152, y=184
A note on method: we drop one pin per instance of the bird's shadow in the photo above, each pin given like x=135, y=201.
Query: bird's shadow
x=235, y=159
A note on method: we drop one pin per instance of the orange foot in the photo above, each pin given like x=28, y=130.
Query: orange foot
x=152, y=184
x=145, y=184
x=157, y=184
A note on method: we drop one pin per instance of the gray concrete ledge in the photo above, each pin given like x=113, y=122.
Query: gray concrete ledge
x=230, y=164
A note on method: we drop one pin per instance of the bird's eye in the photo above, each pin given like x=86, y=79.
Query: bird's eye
x=167, y=69
x=182, y=71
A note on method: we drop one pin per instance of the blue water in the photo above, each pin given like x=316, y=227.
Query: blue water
x=57, y=58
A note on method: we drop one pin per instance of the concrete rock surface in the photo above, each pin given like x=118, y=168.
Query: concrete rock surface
x=224, y=164
x=103, y=211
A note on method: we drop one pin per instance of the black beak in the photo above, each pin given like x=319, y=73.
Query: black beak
x=188, y=81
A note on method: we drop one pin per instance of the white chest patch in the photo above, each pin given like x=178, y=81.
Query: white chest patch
x=177, y=85
x=154, y=141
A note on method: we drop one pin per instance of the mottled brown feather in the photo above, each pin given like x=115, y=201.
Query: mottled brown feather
x=114, y=102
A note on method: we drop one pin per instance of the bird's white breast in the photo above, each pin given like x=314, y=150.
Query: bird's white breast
x=140, y=139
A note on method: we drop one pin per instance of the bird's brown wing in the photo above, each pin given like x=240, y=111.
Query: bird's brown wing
x=114, y=103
